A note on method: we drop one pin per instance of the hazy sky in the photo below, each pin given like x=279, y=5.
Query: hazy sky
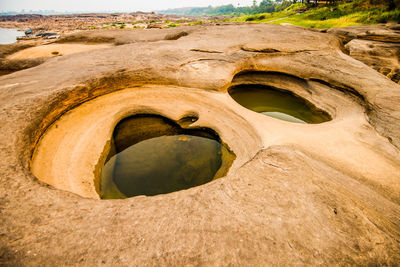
x=110, y=5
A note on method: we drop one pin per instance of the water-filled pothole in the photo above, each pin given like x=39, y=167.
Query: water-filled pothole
x=153, y=155
x=276, y=103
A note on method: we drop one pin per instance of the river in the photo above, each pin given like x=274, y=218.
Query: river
x=8, y=36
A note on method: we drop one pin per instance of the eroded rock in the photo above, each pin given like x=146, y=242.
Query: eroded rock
x=376, y=46
x=324, y=193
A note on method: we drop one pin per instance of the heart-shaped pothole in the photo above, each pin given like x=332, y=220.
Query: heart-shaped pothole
x=153, y=155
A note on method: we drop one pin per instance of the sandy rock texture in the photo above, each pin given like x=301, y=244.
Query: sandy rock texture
x=27, y=54
x=10, y=66
x=297, y=194
x=51, y=50
x=376, y=46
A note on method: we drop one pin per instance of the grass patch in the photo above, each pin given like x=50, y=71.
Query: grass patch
x=358, y=12
x=137, y=22
x=345, y=21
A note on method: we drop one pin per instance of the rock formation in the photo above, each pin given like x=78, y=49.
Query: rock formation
x=376, y=46
x=306, y=194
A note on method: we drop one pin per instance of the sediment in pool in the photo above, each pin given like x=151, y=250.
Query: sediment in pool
x=153, y=155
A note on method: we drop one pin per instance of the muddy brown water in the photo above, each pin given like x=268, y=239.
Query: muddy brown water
x=279, y=104
x=153, y=155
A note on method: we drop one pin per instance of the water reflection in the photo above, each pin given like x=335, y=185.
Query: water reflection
x=278, y=104
x=9, y=36
x=152, y=155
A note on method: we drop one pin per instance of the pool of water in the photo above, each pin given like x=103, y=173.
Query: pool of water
x=9, y=36
x=153, y=155
x=278, y=104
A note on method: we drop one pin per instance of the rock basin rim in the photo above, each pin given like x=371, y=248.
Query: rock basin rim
x=63, y=179
x=325, y=193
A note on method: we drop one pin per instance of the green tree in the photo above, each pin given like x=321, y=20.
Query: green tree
x=266, y=6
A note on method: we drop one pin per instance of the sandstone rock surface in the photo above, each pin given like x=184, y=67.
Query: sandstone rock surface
x=297, y=194
x=376, y=46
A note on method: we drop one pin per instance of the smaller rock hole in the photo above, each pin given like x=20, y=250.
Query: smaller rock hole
x=187, y=120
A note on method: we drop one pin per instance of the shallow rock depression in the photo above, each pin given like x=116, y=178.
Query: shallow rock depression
x=207, y=149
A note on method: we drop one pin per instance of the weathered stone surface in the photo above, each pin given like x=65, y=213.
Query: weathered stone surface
x=376, y=46
x=383, y=57
x=17, y=56
x=297, y=194
x=381, y=32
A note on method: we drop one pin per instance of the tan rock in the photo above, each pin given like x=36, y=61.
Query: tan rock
x=376, y=46
x=307, y=194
